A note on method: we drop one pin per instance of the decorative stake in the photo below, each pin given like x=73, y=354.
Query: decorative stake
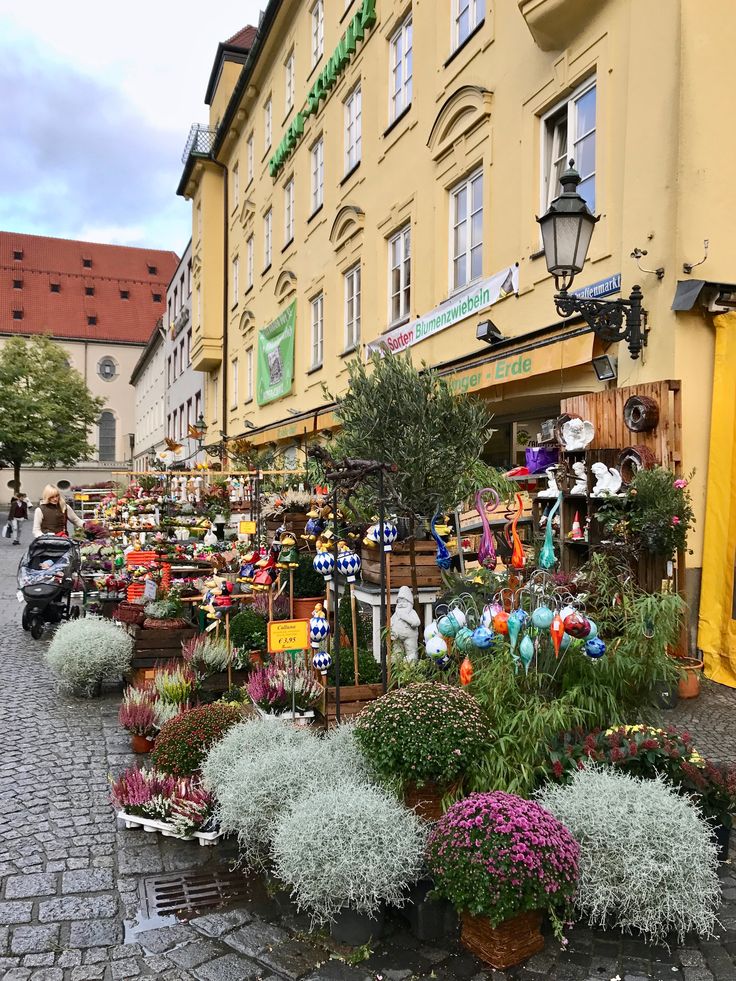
x=518, y=559
x=557, y=631
x=486, y=550
x=466, y=671
x=547, y=557
x=442, y=556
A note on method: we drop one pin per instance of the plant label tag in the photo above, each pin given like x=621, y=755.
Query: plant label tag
x=149, y=590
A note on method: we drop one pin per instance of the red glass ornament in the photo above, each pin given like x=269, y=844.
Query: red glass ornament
x=557, y=631
x=501, y=622
x=577, y=625
x=466, y=671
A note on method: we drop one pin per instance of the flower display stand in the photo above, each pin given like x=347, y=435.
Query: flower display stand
x=163, y=828
x=151, y=647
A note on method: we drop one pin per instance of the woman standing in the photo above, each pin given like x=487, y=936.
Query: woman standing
x=18, y=512
x=53, y=513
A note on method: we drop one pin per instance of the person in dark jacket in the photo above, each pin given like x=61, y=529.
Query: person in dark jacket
x=18, y=513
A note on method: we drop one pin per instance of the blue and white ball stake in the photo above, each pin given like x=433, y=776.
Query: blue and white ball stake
x=322, y=662
x=324, y=564
x=348, y=564
x=319, y=628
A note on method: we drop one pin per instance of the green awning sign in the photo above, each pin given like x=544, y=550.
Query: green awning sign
x=276, y=357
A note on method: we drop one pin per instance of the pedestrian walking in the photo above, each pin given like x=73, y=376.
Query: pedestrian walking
x=53, y=514
x=17, y=514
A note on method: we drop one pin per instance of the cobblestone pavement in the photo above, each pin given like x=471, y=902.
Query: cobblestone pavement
x=70, y=878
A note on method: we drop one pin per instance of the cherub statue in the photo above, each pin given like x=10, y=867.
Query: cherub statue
x=581, y=480
x=405, y=625
x=607, y=480
x=552, y=490
x=577, y=433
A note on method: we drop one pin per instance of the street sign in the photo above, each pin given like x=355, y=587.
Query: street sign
x=246, y=528
x=288, y=635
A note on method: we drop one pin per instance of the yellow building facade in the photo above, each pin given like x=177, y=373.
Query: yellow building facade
x=372, y=170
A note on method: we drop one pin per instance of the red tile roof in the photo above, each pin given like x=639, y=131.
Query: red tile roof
x=243, y=39
x=114, y=269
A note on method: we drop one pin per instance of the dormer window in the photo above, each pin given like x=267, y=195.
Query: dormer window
x=17, y=254
x=87, y=263
x=17, y=314
x=152, y=270
x=124, y=294
x=55, y=287
x=89, y=291
x=17, y=284
x=92, y=321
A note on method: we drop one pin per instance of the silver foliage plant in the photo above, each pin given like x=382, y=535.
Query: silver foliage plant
x=647, y=857
x=87, y=651
x=371, y=850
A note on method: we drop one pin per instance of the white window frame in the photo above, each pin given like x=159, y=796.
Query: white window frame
x=401, y=65
x=250, y=157
x=476, y=11
x=289, y=82
x=318, y=173
x=267, y=123
x=465, y=185
x=352, y=279
x=236, y=188
x=235, y=384
x=267, y=238
x=317, y=306
x=250, y=247
x=236, y=280
x=549, y=188
x=289, y=211
x=400, y=240
x=353, y=128
x=317, y=13
x=249, y=374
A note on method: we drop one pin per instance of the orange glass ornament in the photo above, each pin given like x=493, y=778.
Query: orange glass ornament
x=466, y=671
x=557, y=630
x=518, y=559
x=501, y=622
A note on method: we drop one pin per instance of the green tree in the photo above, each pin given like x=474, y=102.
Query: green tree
x=46, y=409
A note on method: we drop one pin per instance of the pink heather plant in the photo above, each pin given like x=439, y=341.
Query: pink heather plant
x=270, y=687
x=496, y=855
x=154, y=794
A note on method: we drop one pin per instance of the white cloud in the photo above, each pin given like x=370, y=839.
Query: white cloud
x=112, y=234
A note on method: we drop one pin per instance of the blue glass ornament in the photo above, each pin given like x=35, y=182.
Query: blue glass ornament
x=464, y=640
x=595, y=648
x=482, y=637
x=442, y=555
x=526, y=652
x=513, y=625
x=593, y=630
x=547, y=557
x=322, y=661
x=542, y=618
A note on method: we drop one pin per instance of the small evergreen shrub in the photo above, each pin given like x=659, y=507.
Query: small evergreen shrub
x=85, y=652
x=184, y=741
x=248, y=630
x=647, y=857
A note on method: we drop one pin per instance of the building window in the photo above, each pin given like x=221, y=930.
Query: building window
x=249, y=374
x=17, y=314
x=199, y=222
x=176, y=363
x=569, y=133
x=182, y=362
x=399, y=256
x=168, y=370
x=289, y=211
x=92, y=321
x=181, y=421
x=289, y=81
x=401, y=69
x=353, y=126
x=107, y=369
x=86, y=263
x=189, y=347
x=176, y=300
x=89, y=291
x=267, y=123
x=318, y=31
x=250, y=157
x=157, y=298
x=236, y=185
x=318, y=330
x=197, y=408
x=468, y=14
x=189, y=414
x=152, y=270
x=18, y=284
x=466, y=231
x=124, y=294
x=250, y=253
x=168, y=425
x=352, y=308
x=235, y=278
x=267, y=229
x=318, y=174
x=215, y=396
x=106, y=437
x=17, y=254
x=54, y=287
x=234, y=390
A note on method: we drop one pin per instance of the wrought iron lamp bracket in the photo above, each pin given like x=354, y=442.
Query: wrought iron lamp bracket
x=611, y=320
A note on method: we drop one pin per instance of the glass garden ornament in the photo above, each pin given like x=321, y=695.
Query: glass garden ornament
x=324, y=562
x=567, y=610
x=444, y=662
x=501, y=622
x=513, y=629
x=547, y=557
x=593, y=630
x=518, y=559
x=464, y=640
x=348, y=562
x=576, y=625
x=319, y=628
x=595, y=648
x=526, y=652
x=522, y=616
x=431, y=630
x=565, y=643
x=486, y=550
x=322, y=661
x=435, y=647
x=442, y=555
x=557, y=632
x=542, y=617
x=482, y=637
x=466, y=671
x=449, y=624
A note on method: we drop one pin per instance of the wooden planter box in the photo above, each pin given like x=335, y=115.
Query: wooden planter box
x=353, y=699
x=151, y=647
x=428, y=572
x=293, y=521
x=216, y=684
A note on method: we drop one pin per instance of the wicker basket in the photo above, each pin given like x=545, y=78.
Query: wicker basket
x=130, y=613
x=153, y=623
x=511, y=942
x=425, y=801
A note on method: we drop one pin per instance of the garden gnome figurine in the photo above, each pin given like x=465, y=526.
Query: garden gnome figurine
x=405, y=624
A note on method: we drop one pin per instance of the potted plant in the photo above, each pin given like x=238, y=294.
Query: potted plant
x=370, y=851
x=84, y=652
x=174, y=685
x=178, y=807
x=425, y=738
x=185, y=740
x=284, y=686
x=691, y=669
x=138, y=715
x=248, y=633
x=503, y=861
x=166, y=613
x=309, y=588
x=713, y=786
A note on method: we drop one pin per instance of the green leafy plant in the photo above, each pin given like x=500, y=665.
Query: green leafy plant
x=84, y=652
x=183, y=742
x=174, y=684
x=307, y=582
x=168, y=608
x=369, y=670
x=424, y=733
x=248, y=630
x=362, y=620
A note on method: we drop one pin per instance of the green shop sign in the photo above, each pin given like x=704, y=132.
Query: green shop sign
x=364, y=19
x=276, y=357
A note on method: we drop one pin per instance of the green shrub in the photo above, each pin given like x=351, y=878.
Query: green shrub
x=183, y=742
x=248, y=630
x=85, y=652
x=307, y=582
x=369, y=670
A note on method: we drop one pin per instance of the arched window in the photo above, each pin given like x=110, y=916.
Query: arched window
x=106, y=439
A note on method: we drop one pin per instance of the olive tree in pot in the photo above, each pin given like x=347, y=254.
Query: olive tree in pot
x=371, y=851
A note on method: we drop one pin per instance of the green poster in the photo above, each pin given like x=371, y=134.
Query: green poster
x=276, y=357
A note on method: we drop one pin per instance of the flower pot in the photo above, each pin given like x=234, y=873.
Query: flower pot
x=430, y=920
x=425, y=801
x=665, y=695
x=689, y=686
x=304, y=607
x=356, y=929
x=140, y=744
x=511, y=942
x=722, y=835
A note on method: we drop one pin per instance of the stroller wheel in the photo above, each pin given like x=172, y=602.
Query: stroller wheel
x=75, y=613
x=25, y=619
x=36, y=628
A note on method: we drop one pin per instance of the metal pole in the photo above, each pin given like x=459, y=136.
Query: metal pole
x=336, y=635
x=257, y=505
x=381, y=518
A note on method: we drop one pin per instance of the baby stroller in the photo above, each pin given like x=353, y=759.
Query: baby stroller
x=48, y=574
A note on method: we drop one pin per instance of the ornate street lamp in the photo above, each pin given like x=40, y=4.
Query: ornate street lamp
x=567, y=229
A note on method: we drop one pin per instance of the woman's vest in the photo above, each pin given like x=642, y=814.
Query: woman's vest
x=54, y=519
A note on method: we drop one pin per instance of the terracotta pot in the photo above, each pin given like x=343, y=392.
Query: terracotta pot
x=303, y=608
x=141, y=744
x=511, y=942
x=425, y=801
x=689, y=686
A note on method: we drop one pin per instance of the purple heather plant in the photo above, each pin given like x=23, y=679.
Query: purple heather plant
x=154, y=794
x=497, y=855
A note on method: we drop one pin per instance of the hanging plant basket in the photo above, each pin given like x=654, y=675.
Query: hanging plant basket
x=511, y=942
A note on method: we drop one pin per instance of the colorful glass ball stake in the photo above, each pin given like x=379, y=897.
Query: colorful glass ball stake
x=464, y=640
x=501, y=622
x=595, y=648
x=449, y=624
x=322, y=662
x=466, y=671
x=482, y=637
x=348, y=564
x=542, y=618
x=324, y=564
x=526, y=652
x=557, y=632
x=576, y=625
x=435, y=647
x=513, y=629
x=319, y=628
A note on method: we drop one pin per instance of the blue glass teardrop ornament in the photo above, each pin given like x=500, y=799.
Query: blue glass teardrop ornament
x=547, y=557
x=514, y=629
x=526, y=651
x=442, y=555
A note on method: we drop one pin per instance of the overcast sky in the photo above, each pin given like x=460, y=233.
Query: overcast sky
x=96, y=101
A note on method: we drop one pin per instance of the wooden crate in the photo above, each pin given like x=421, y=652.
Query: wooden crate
x=428, y=573
x=293, y=521
x=353, y=699
x=152, y=647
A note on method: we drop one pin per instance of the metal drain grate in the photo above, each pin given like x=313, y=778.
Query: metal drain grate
x=187, y=893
